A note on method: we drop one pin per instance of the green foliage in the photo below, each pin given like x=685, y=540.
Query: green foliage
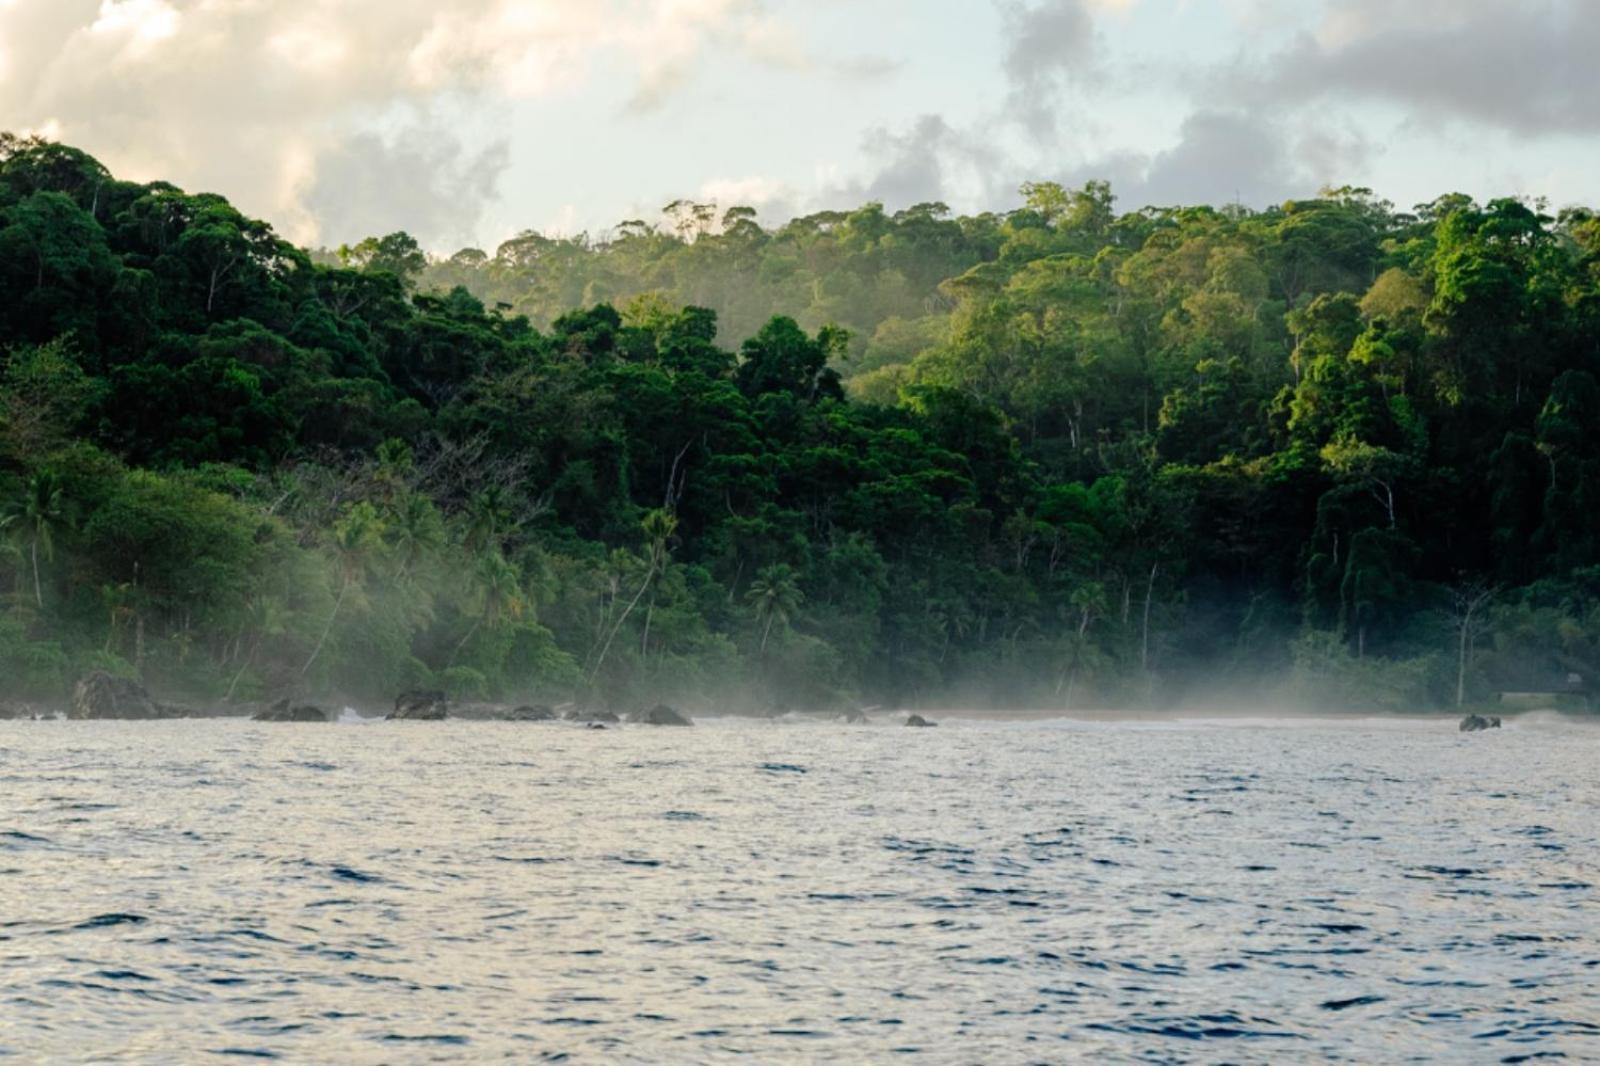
x=464, y=683
x=398, y=254
x=1327, y=676
x=1052, y=456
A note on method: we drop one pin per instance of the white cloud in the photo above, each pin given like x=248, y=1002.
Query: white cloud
x=1528, y=68
x=263, y=99
x=751, y=191
x=142, y=23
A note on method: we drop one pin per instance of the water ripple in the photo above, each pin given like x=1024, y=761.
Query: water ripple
x=1039, y=892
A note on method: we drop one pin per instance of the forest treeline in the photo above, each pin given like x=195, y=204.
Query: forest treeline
x=1330, y=453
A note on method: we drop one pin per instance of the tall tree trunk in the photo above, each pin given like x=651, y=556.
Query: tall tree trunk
x=471, y=632
x=594, y=673
x=327, y=629
x=38, y=589
x=1069, y=676
x=228, y=696
x=1149, y=593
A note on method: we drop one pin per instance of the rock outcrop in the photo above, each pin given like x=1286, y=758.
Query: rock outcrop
x=502, y=712
x=590, y=717
x=916, y=721
x=105, y=696
x=420, y=705
x=660, y=714
x=1477, y=723
x=25, y=712
x=284, y=711
x=851, y=717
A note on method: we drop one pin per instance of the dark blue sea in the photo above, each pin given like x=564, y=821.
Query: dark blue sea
x=1231, y=890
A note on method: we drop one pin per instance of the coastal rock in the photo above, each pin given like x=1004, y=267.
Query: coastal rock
x=481, y=712
x=660, y=714
x=594, y=725
x=1477, y=723
x=101, y=696
x=851, y=718
x=502, y=712
x=25, y=712
x=916, y=721
x=283, y=711
x=420, y=705
x=591, y=717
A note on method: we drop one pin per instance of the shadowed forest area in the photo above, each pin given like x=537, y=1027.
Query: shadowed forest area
x=1328, y=454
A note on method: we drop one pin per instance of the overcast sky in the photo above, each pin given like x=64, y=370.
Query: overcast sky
x=465, y=121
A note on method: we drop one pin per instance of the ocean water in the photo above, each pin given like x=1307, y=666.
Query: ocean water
x=1184, y=891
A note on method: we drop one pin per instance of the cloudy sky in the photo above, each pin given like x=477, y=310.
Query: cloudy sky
x=465, y=121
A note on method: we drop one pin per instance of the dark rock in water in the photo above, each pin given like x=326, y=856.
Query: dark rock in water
x=101, y=695
x=660, y=714
x=420, y=705
x=24, y=712
x=591, y=717
x=594, y=725
x=482, y=712
x=851, y=718
x=282, y=711
x=1477, y=723
x=503, y=712
x=916, y=721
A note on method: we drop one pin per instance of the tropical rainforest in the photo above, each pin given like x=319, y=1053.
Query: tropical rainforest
x=1330, y=453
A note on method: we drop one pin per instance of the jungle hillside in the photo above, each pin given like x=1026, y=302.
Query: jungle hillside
x=1329, y=454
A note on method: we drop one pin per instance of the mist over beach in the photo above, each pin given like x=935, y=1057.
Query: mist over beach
x=682, y=530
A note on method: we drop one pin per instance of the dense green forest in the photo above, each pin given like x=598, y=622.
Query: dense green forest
x=1329, y=453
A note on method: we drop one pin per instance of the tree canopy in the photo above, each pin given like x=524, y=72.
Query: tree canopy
x=1052, y=456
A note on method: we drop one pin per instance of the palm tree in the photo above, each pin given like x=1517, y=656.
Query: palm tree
x=119, y=603
x=40, y=514
x=658, y=526
x=394, y=468
x=499, y=581
x=776, y=596
x=266, y=616
x=354, y=537
x=415, y=531
x=13, y=555
x=1089, y=602
x=486, y=520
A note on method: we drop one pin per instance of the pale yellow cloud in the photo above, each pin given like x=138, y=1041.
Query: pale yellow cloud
x=248, y=95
